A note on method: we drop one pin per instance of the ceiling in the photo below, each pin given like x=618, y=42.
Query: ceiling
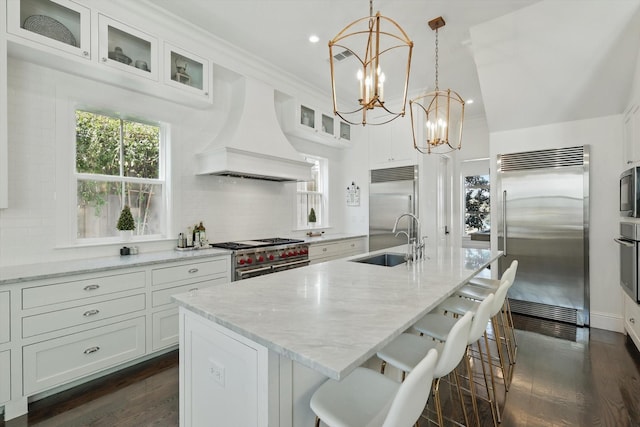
x=278, y=30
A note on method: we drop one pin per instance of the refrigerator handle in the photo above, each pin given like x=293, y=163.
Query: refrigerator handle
x=504, y=223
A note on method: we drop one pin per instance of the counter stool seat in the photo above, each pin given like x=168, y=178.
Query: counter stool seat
x=367, y=398
x=406, y=351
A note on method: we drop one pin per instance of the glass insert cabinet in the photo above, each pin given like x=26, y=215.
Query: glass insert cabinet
x=185, y=70
x=59, y=24
x=323, y=124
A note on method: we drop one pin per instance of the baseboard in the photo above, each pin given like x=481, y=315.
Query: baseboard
x=607, y=321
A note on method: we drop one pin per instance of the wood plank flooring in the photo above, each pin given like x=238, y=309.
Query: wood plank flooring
x=586, y=377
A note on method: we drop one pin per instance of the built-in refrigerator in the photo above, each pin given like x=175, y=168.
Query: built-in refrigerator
x=543, y=222
x=392, y=192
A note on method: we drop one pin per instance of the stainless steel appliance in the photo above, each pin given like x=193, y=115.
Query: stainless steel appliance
x=629, y=241
x=392, y=192
x=630, y=193
x=543, y=222
x=251, y=258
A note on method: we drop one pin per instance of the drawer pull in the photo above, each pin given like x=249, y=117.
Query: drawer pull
x=193, y=270
x=193, y=289
x=91, y=350
x=91, y=287
x=91, y=313
x=632, y=320
x=324, y=249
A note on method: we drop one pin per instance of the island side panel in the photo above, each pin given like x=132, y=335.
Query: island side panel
x=224, y=377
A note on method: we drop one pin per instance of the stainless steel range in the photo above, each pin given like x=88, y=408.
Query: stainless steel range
x=251, y=258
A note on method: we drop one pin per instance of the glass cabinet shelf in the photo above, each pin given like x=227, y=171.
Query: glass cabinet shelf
x=127, y=48
x=60, y=24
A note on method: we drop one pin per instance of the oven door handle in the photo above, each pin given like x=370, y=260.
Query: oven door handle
x=626, y=243
x=289, y=264
x=253, y=270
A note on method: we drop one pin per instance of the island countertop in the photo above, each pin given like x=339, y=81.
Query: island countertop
x=334, y=316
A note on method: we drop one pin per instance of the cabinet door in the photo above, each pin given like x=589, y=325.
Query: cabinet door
x=127, y=48
x=379, y=145
x=186, y=71
x=402, y=141
x=5, y=376
x=60, y=24
x=631, y=136
x=5, y=316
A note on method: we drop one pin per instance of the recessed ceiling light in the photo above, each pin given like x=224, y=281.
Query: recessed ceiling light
x=469, y=101
x=314, y=39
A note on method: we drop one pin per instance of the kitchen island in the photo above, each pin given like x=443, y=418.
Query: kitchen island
x=253, y=352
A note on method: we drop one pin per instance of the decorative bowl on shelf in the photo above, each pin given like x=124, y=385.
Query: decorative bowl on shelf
x=117, y=55
x=49, y=27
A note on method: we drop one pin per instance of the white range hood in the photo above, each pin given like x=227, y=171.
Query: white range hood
x=251, y=144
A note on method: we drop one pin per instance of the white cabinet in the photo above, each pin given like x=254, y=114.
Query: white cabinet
x=59, y=24
x=308, y=122
x=57, y=361
x=632, y=319
x=5, y=318
x=186, y=71
x=321, y=252
x=5, y=376
x=391, y=144
x=127, y=49
x=631, y=136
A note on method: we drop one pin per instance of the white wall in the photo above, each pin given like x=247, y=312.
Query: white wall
x=604, y=136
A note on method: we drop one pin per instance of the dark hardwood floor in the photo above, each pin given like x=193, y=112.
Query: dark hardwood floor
x=564, y=376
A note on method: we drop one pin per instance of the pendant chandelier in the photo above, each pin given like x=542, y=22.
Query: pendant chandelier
x=441, y=111
x=358, y=55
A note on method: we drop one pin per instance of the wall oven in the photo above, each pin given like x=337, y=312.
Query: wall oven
x=630, y=193
x=629, y=241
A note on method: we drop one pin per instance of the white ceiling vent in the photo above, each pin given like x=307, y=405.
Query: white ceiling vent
x=341, y=56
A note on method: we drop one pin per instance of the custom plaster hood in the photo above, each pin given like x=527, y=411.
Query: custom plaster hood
x=251, y=144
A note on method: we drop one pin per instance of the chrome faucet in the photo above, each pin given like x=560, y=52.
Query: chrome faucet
x=415, y=250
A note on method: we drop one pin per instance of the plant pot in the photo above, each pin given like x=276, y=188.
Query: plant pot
x=126, y=235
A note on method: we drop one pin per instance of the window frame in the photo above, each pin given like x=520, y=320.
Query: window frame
x=465, y=211
x=162, y=179
x=322, y=191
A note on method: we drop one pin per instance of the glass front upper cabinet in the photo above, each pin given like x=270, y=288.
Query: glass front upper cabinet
x=186, y=71
x=127, y=48
x=60, y=24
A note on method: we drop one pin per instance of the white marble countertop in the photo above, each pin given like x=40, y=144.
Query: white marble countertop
x=334, y=316
x=26, y=272
x=326, y=238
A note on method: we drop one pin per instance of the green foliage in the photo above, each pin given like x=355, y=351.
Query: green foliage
x=477, y=203
x=126, y=222
x=312, y=215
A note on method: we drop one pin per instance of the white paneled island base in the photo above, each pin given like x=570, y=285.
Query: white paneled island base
x=253, y=352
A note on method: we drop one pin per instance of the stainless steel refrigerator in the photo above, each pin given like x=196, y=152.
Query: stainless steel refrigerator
x=543, y=222
x=392, y=192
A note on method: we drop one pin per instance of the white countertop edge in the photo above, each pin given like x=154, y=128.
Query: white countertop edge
x=49, y=270
x=328, y=238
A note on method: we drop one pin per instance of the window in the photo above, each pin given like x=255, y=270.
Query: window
x=476, y=204
x=118, y=162
x=312, y=195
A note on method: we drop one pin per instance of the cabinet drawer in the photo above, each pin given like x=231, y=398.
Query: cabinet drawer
x=352, y=247
x=324, y=250
x=5, y=376
x=5, y=317
x=165, y=326
x=79, y=289
x=47, y=322
x=632, y=316
x=57, y=361
x=163, y=296
x=188, y=271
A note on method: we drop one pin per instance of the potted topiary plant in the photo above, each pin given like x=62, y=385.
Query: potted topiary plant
x=126, y=224
x=312, y=216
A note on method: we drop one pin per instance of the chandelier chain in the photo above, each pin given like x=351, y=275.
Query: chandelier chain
x=370, y=8
x=437, y=88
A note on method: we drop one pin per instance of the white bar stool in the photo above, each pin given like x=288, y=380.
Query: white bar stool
x=439, y=326
x=405, y=352
x=367, y=398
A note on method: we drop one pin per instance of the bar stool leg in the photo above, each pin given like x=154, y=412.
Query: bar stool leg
x=472, y=387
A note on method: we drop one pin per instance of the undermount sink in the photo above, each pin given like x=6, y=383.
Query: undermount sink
x=385, y=260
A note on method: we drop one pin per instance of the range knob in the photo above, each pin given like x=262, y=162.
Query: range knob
x=241, y=261
x=260, y=258
x=271, y=257
x=249, y=261
x=291, y=253
x=304, y=251
x=283, y=255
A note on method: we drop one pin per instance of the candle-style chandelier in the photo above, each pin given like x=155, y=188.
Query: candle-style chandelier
x=441, y=111
x=359, y=86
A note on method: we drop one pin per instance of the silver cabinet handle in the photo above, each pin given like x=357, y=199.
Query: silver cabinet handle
x=91, y=350
x=192, y=270
x=324, y=249
x=625, y=243
x=90, y=313
x=504, y=223
x=632, y=320
x=193, y=289
x=91, y=287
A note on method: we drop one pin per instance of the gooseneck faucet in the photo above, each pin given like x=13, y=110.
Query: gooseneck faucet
x=415, y=250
